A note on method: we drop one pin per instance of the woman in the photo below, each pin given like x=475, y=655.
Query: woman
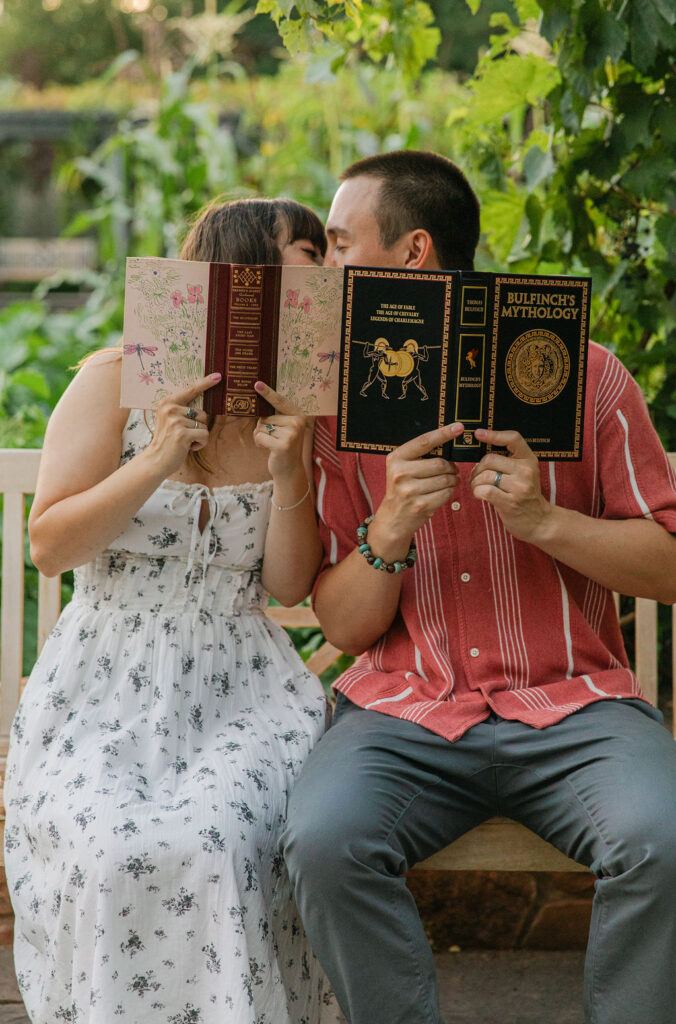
x=167, y=717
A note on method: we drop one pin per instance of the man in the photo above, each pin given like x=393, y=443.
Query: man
x=492, y=677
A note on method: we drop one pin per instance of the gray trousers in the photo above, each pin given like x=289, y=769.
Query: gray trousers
x=379, y=794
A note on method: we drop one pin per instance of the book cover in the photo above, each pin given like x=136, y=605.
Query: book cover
x=421, y=349
x=184, y=319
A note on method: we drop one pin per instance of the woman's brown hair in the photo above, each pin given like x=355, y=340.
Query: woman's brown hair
x=249, y=230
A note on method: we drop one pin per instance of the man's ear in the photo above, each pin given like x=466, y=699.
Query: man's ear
x=417, y=250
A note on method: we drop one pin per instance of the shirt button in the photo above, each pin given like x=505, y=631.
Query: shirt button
x=465, y=577
x=474, y=652
x=455, y=506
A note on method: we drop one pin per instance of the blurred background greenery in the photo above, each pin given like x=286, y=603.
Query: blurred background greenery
x=120, y=118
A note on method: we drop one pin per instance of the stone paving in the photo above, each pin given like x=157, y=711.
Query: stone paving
x=476, y=988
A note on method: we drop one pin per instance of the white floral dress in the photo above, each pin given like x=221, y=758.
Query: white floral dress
x=150, y=763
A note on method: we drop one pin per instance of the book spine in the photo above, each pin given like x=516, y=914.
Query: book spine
x=251, y=339
x=473, y=369
x=269, y=352
x=217, y=329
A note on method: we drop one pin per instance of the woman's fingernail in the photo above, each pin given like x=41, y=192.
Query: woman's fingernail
x=215, y=376
x=259, y=385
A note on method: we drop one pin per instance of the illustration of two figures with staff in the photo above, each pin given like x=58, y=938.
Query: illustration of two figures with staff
x=388, y=364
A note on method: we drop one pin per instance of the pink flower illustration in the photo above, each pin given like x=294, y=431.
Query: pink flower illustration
x=195, y=293
x=325, y=384
x=306, y=303
x=177, y=299
x=291, y=299
x=145, y=378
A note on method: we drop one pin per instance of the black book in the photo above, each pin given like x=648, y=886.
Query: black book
x=421, y=349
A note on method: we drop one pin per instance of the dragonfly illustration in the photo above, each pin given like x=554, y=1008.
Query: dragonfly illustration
x=149, y=350
x=329, y=357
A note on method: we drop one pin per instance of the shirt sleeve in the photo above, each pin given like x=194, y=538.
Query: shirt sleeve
x=637, y=480
x=336, y=508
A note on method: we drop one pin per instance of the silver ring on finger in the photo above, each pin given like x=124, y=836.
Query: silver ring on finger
x=498, y=478
x=270, y=427
x=192, y=414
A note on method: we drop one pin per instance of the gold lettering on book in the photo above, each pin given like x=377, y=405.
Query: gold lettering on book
x=244, y=338
x=540, y=306
x=397, y=313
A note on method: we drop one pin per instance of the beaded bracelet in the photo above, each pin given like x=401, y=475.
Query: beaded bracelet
x=379, y=563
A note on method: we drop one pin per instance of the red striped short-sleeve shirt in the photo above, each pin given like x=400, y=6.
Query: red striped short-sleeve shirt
x=486, y=621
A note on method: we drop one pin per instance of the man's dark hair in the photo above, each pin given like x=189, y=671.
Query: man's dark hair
x=424, y=190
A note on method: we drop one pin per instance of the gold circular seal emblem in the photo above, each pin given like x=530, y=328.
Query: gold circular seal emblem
x=537, y=366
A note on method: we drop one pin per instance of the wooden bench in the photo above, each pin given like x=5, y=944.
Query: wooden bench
x=30, y=260
x=497, y=845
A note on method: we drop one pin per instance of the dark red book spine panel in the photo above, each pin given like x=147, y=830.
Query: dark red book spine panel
x=247, y=343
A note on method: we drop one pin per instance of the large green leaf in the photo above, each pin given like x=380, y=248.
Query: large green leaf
x=502, y=214
x=538, y=166
x=509, y=83
x=606, y=40
x=33, y=381
x=665, y=229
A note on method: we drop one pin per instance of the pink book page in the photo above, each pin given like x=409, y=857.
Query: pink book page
x=310, y=318
x=165, y=319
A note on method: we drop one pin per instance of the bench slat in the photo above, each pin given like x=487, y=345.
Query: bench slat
x=500, y=845
x=292, y=617
x=19, y=470
x=49, y=606
x=323, y=658
x=11, y=630
x=646, y=647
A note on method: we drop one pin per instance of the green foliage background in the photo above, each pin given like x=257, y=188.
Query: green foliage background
x=566, y=126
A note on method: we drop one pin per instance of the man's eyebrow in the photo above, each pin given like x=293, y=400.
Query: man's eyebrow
x=336, y=230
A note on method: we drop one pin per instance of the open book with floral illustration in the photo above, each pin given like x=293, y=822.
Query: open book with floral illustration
x=184, y=319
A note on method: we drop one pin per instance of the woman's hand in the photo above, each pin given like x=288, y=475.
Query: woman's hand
x=282, y=434
x=179, y=428
x=84, y=497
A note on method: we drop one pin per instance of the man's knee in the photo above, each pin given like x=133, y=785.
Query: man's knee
x=332, y=836
x=316, y=840
x=645, y=847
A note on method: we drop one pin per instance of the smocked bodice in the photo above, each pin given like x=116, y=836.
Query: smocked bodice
x=163, y=562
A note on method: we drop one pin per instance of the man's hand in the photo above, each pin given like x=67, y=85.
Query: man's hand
x=356, y=604
x=511, y=483
x=415, y=488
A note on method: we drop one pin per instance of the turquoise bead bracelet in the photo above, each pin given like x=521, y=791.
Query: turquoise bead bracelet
x=364, y=548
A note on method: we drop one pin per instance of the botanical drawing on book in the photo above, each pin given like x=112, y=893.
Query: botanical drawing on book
x=307, y=326
x=196, y=317
x=171, y=309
